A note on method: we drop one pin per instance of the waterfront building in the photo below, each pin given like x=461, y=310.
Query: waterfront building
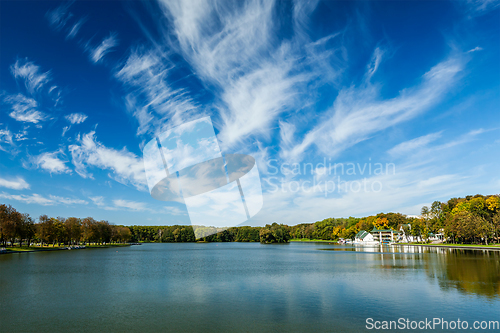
x=403, y=236
x=384, y=236
x=364, y=237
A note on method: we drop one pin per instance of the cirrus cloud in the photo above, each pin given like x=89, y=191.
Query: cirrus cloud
x=15, y=184
x=126, y=167
x=51, y=162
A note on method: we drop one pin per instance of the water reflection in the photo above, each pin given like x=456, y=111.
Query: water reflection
x=472, y=272
x=468, y=271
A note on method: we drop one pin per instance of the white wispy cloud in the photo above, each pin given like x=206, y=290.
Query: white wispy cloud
x=24, y=108
x=5, y=137
x=17, y=183
x=150, y=98
x=51, y=162
x=29, y=199
x=65, y=129
x=240, y=56
x=98, y=200
x=464, y=138
x=302, y=11
x=75, y=28
x=67, y=201
x=121, y=204
x=477, y=48
x=76, y=118
x=126, y=167
x=374, y=63
x=106, y=46
x=34, y=79
x=60, y=19
x=414, y=144
x=34, y=91
x=254, y=76
x=137, y=206
x=131, y=205
x=174, y=211
x=22, y=135
x=359, y=112
x=254, y=101
x=481, y=6
x=420, y=151
x=244, y=32
x=59, y=16
x=36, y=198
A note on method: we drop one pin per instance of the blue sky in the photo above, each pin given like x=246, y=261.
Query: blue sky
x=403, y=96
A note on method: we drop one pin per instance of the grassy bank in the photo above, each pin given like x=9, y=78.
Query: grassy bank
x=456, y=246
x=312, y=240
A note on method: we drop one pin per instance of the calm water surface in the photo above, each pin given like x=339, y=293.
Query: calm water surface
x=243, y=287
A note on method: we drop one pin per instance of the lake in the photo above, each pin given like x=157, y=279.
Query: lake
x=244, y=287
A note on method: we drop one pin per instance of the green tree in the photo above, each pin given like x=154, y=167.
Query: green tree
x=90, y=231
x=11, y=224
x=60, y=235
x=73, y=227
x=274, y=233
x=425, y=212
x=27, y=231
x=45, y=229
x=103, y=232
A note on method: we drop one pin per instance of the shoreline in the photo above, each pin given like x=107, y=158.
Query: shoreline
x=306, y=240
x=453, y=246
x=450, y=246
x=48, y=249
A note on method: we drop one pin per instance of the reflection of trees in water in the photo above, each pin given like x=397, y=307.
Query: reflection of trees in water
x=468, y=271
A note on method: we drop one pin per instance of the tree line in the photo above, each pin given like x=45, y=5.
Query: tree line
x=18, y=228
x=469, y=220
x=275, y=233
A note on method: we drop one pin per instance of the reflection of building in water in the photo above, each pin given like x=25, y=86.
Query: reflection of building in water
x=368, y=248
x=384, y=236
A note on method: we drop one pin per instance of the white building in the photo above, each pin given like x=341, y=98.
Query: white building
x=404, y=237
x=384, y=236
x=407, y=238
x=364, y=237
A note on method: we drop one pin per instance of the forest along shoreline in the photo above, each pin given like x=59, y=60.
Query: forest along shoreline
x=472, y=222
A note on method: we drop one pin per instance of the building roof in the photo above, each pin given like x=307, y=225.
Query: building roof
x=362, y=234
